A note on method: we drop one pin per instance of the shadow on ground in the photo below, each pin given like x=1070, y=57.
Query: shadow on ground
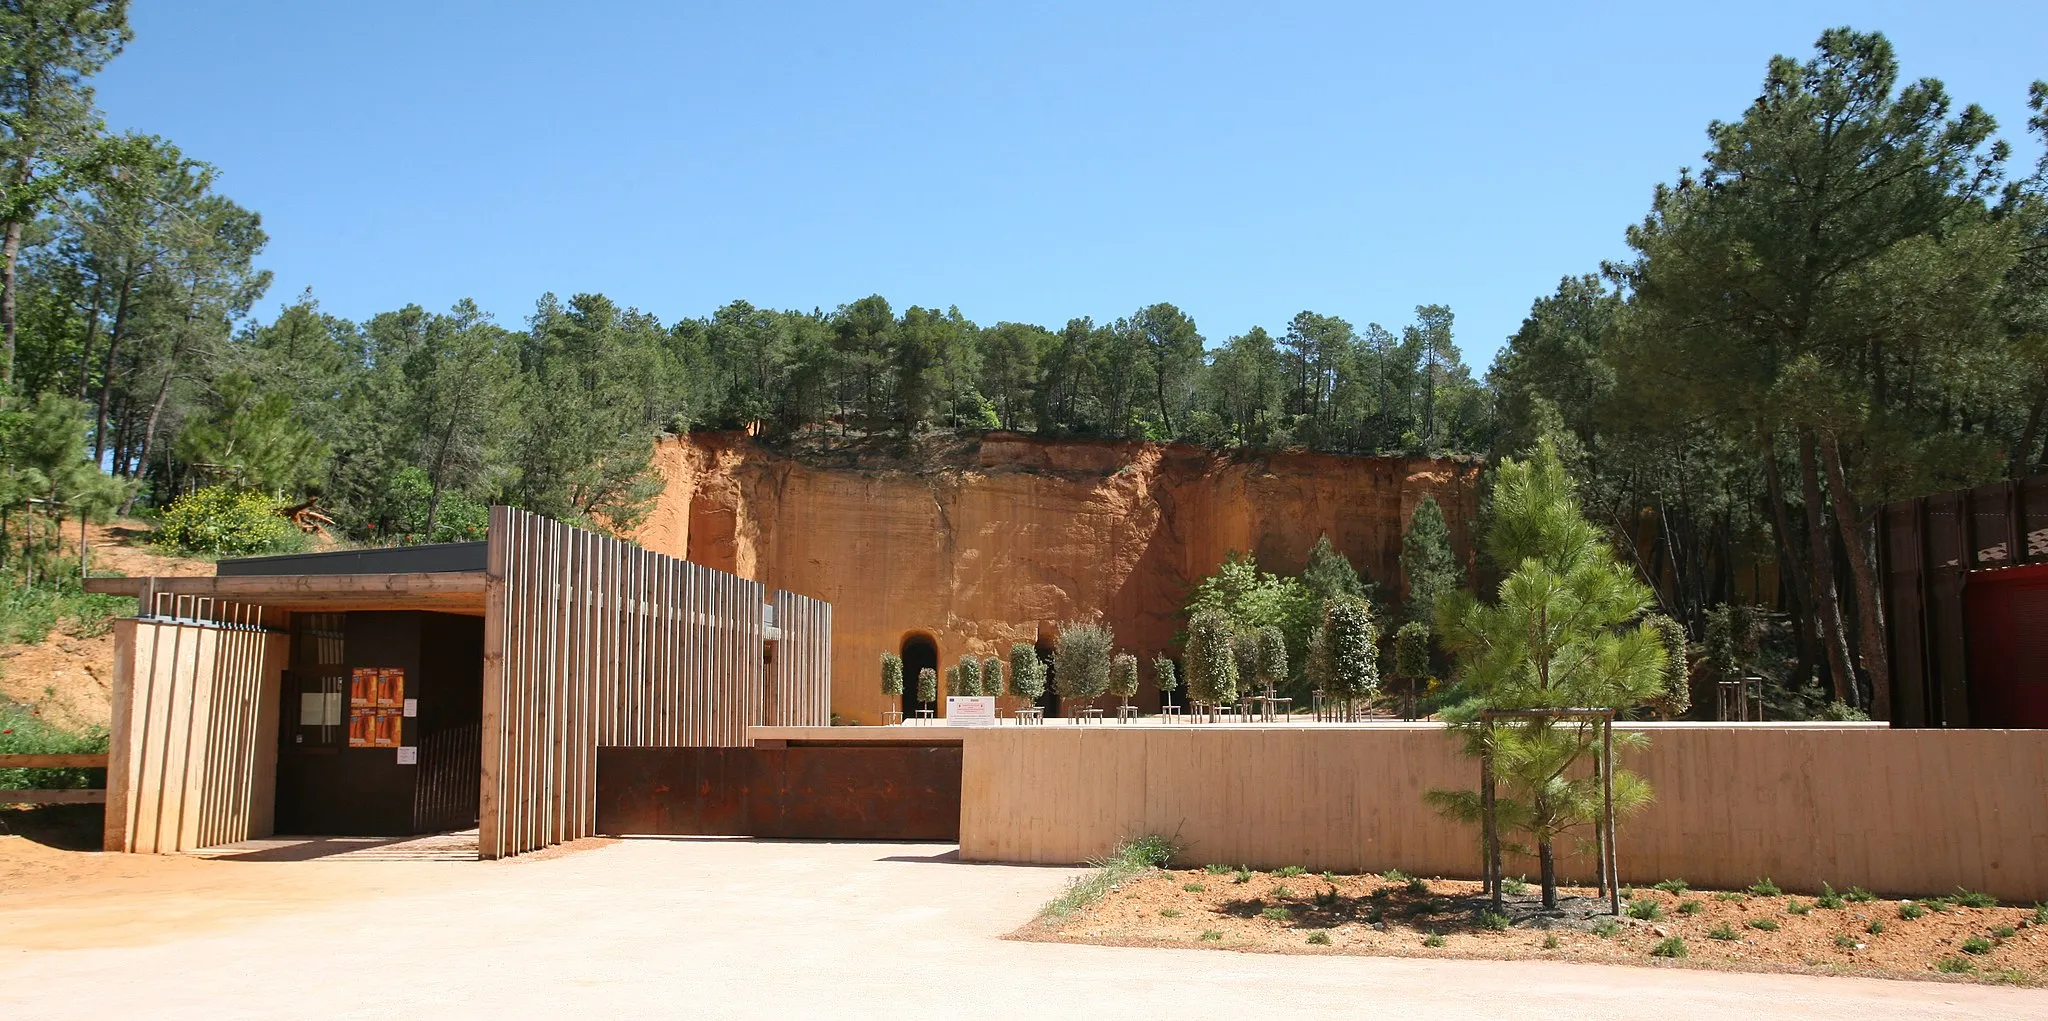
x=64, y=827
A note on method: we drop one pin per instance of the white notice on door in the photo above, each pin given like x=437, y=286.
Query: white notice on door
x=412, y=707
x=970, y=711
x=408, y=755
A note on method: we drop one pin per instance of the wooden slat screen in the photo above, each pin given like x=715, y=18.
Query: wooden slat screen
x=590, y=641
x=193, y=744
x=802, y=692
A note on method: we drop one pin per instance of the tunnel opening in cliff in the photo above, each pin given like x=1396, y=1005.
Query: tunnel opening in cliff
x=1049, y=699
x=919, y=651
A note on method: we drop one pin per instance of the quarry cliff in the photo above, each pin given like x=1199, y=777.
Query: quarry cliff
x=992, y=541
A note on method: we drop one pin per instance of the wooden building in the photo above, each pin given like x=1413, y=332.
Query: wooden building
x=420, y=689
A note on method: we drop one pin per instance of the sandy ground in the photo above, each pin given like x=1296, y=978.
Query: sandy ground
x=712, y=927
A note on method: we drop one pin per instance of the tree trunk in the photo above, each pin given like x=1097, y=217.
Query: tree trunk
x=1826, y=602
x=92, y=326
x=2024, y=453
x=10, y=256
x=156, y=410
x=1547, y=862
x=99, y=429
x=1793, y=581
x=1856, y=540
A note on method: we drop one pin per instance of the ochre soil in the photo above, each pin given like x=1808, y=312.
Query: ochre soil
x=66, y=678
x=1179, y=907
x=56, y=896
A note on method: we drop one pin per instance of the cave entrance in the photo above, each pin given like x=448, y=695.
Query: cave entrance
x=919, y=652
x=1049, y=700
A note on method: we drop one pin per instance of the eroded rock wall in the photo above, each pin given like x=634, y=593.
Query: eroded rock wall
x=1012, y=535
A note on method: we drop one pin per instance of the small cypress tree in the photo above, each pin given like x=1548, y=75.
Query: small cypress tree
x=992, y=676
x=1272, y=657
x=1353, y=641
x=1211, y=657
x=892, y=674
x=1027, y=674
x=927, y=685
x=1676, y=696
x=1123, y=676
x=1164, y=675
x=1080, y=660
x=969, y=677
x=1244, y=647
x=1411, y=658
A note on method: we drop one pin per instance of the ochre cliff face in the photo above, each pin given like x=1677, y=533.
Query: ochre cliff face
x=1007, y=538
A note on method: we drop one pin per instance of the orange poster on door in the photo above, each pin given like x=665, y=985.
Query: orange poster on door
x=361, y=725
x=362, y=687
x=386, y=731
x=391, y=688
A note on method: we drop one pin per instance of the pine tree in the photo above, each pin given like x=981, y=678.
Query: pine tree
x=1564, y=632
x=1427, y=560
x=1330, y=574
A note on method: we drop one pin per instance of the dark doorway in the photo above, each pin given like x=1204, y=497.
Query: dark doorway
x=411, y=764
x=919, y=652
x=1050, y=699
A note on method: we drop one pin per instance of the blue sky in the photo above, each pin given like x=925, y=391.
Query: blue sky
x=1023, y=161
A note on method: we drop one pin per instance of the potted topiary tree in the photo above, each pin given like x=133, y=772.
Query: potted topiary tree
x=1164, y=674
x=1272, y=663
x=992, y=677
x=1123, y=683
x=968, y=678
x=1211, y=658
x=1027, y=679
x=1080, y=661
x=892, y=681
x=1411, y=662
x=927, y=687
x=1345, y=655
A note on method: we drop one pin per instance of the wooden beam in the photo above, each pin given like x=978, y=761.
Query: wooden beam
x=98, y=761
x=452, y=591
x=41, y=797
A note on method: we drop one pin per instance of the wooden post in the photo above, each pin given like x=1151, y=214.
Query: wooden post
x=1610, y=865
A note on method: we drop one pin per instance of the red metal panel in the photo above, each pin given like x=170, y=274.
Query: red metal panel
x=863, y=791
x=2008, y=615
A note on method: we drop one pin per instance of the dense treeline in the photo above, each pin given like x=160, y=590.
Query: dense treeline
x=1846, y=303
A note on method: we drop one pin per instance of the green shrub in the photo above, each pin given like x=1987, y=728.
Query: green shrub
x=1721, y=932
x=1606, y=927
x=1282, y=891
x=1211, y=935
x=1797, y=907
x=1829, y=898
x=1241, y=876
x=1319, y=938
x=1911, y=910
x=1276, y=913
x=1394, y=876
x=23, y=731
x=218, y=521
x=1762, y=924
x=1131, y=859
x=1432, y=941
x=1493, y=920
x=1730, y=895
x=1169, y=912
x=1954, y=966
x=1690, y=907
x=1550, y=941
x=1973, y=899
x=1417, y=886
x=1646, y=910
x=1289, y=871
x=1193, y=887
x=1976, y=945
x=1218, y=870
x=1765, y=888
x=2040, y=915
x=1845, y=941
x=2003, y=932
x=1876, y=927
x=1859, y=895
x=1669, y=946
x=1514, y=886
x=1211, y=658
x=1672, y=886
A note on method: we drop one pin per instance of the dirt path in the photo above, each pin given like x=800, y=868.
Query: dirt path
x=732, y=928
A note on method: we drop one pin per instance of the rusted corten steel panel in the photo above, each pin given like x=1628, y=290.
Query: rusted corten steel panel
x=863, y=792
x=1928, y=547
